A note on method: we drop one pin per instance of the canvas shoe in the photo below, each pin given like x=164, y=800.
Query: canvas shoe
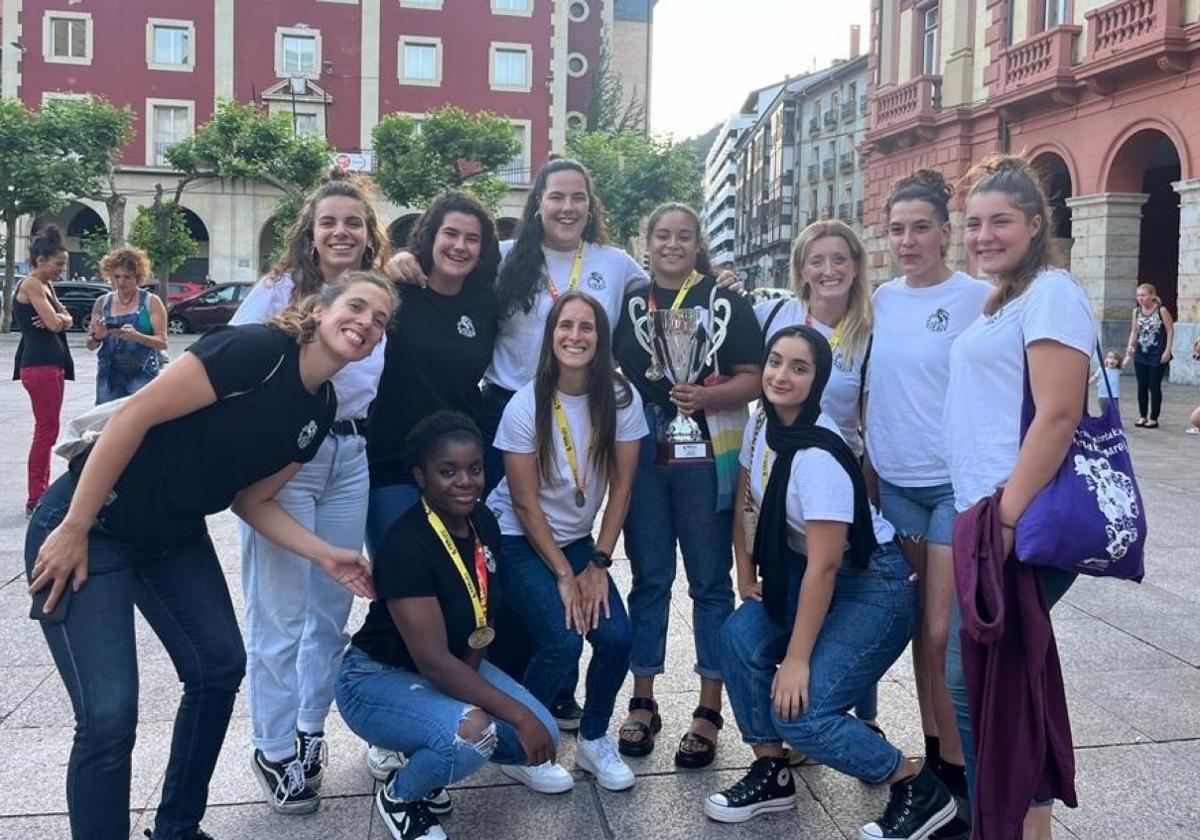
x=283, y=782
x=917, y=807
x=767, y=786
x=313, y=750
x=567, y=715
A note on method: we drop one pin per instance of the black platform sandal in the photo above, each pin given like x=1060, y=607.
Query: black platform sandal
x=694, y=759
x=645, y=745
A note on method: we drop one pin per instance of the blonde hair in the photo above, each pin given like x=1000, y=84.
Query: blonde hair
x=1149, y=287
x=298, y=321
x=134, y=260
x=858, y=320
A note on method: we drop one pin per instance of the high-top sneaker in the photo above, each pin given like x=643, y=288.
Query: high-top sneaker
x=283, y=782
x=917, y=807
x=767, y=786
x=313, y=750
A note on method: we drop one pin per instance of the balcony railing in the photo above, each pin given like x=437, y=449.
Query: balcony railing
x=858, y=210
x=846, y=162
x=812, y=172
x=1128, y=32
x=830, y=117
x=913, y=102
x=844, y=212
x=814, y=125
x=1045, y=57
x=847, y=111
x=827, y=168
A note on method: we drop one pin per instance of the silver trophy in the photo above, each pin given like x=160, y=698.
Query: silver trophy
x=681, y=344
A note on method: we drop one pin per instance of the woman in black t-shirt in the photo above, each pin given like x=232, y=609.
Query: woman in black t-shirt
x=682, y=502
x=227, y=425
x=414, y=679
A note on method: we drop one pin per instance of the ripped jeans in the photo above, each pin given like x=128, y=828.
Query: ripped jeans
x=401, y=710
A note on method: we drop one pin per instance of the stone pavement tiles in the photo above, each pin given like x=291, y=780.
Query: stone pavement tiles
x=1130, y=654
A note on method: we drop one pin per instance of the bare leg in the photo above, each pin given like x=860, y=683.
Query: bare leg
x=938, y=590
x=642, y=687
x=1037, y=822
x=710, y=697
x=914, y=553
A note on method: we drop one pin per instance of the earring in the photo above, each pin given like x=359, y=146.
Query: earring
x=316, y=258
x=369, y=256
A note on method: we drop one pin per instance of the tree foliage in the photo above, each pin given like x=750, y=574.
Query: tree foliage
x=449, y=149
x=170, y=251
x=611, y=109
x=633, y=174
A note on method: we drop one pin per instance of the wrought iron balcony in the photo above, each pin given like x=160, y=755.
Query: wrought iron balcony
x=827, y=168
x=830, y=117
x=812, y=172
x=846, y=162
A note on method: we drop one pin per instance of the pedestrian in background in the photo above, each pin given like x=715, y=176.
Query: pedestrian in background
x=1151, y=335
x=128, y=327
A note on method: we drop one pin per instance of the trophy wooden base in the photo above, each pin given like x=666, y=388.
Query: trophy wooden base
x=677, y=453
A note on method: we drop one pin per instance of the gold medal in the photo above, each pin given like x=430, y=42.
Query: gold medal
x=580, y=499
x=480, y=638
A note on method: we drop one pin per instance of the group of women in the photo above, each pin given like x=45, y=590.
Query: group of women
x=880, y=417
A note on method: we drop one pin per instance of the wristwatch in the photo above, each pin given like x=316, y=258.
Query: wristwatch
x=601, y=558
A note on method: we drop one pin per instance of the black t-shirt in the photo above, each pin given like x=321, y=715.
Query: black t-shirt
x=437, y=350
x=742, y=345
x=187, y=468
x=413, y=563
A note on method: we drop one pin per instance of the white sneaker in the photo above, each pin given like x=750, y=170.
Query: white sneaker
x=381, y=762
x=547, y=777
x=599, y=757
x=1192, y=430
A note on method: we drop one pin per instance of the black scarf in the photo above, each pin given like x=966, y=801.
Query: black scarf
x=770, y=538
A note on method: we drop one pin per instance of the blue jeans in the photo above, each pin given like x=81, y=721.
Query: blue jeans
x=919, y=513
x=111, y=386
x=1055, y=583
x=494, y=399
x=556, y=648
x=401, y=710
x=183, y=597
x=385, y=505
x=870, y=621
x=670, y=504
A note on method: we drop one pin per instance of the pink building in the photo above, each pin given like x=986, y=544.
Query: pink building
x=335, y=66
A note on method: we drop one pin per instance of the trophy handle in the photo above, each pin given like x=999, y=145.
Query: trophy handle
x=718, y=317
x=641, y=323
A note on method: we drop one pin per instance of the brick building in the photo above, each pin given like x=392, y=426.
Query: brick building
x=336, y=66
x=1102, y=96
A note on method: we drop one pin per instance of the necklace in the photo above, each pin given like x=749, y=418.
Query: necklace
x=125, y=301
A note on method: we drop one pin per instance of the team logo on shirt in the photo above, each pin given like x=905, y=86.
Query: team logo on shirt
x=466, y=327
x=595, y=281
x=307, y=434
x=489, y=559
x=840, y=361
x=939, y=321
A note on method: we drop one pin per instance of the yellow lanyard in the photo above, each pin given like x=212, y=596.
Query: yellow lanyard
x=560, y=417
x=478, y=595
x=572, y=280
x=652, y=304
x=836, y=338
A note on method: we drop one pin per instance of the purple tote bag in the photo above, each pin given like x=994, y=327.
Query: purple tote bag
x=1090, y=517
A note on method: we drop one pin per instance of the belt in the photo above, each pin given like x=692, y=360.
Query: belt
x=355, y=426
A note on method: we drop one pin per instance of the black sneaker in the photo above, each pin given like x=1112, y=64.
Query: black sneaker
x=917, y=807
x=407, y=820
x=283, y=782
x=767, y=786
x=439, y=802
x=314, y=755
x=194, y=834
x=567, y=714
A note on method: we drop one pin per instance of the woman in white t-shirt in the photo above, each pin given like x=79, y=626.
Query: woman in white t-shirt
x=828, y=605
x=568, y=437
x=1038, y=317
x=295, y=615
x=917, y=317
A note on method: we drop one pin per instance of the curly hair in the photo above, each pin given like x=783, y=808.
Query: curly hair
x=299, y=256
x=426, y=229
x=858, y=312
x=926, y=185
x=134, y=260
x=437, y=429
x=298, y=321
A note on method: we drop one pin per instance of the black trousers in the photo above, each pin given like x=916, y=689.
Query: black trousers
x=1149, y=388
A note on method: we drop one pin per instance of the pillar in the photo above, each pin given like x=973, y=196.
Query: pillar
x=1184, y=368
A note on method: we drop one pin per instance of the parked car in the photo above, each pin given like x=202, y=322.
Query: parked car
x=176, y=289
x=210, y=308
x=78, y=297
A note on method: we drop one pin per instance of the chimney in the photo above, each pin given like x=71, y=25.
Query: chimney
x=855, y=37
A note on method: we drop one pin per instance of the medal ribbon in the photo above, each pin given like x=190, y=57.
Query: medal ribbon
x=652, y=304
x=836, y=338
x=560, y=418
x=572, y=280
x=478, y=595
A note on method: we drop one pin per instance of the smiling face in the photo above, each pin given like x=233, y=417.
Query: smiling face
x=352, y=325
x=564, y=209
x=828, y=269
x=674, y=244
x=452, y=476
x=456, y=246
x=575, y=336
x=997, y=233
x=788, y=375
x=339, y=234
x=917, y=237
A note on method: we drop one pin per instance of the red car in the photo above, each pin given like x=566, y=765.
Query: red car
x=212, y=307
x=176, y=289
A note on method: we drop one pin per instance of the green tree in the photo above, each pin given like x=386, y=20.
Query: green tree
x=610, y=108
x=449, y=149
x=634, y=173
x=169, y=251
x=45, y=157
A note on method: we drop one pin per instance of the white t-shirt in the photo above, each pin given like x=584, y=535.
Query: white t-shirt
x=819, y=488
x=517, y=433
x=355, y=384
x=987, y=367
x=607, y=274
x=909, y=371
x=840, y=400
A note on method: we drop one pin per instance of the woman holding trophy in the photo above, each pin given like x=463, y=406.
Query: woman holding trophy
x=692, y=351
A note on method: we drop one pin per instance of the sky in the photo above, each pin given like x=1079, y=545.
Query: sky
x=708, y=54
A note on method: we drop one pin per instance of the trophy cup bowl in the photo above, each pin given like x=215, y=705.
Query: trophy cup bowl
x=680, y=345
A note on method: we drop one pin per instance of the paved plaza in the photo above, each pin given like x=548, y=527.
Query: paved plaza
x=1130, y=655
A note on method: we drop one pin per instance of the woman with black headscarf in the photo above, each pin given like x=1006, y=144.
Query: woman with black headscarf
x=828, y=605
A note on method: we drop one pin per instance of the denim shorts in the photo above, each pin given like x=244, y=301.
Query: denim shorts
x=920, y=513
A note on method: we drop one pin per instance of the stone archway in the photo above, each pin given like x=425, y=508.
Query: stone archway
x=80, y=225
x=195, y=267
x=1056, y=178
x=400, y=230
x=266, y=246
